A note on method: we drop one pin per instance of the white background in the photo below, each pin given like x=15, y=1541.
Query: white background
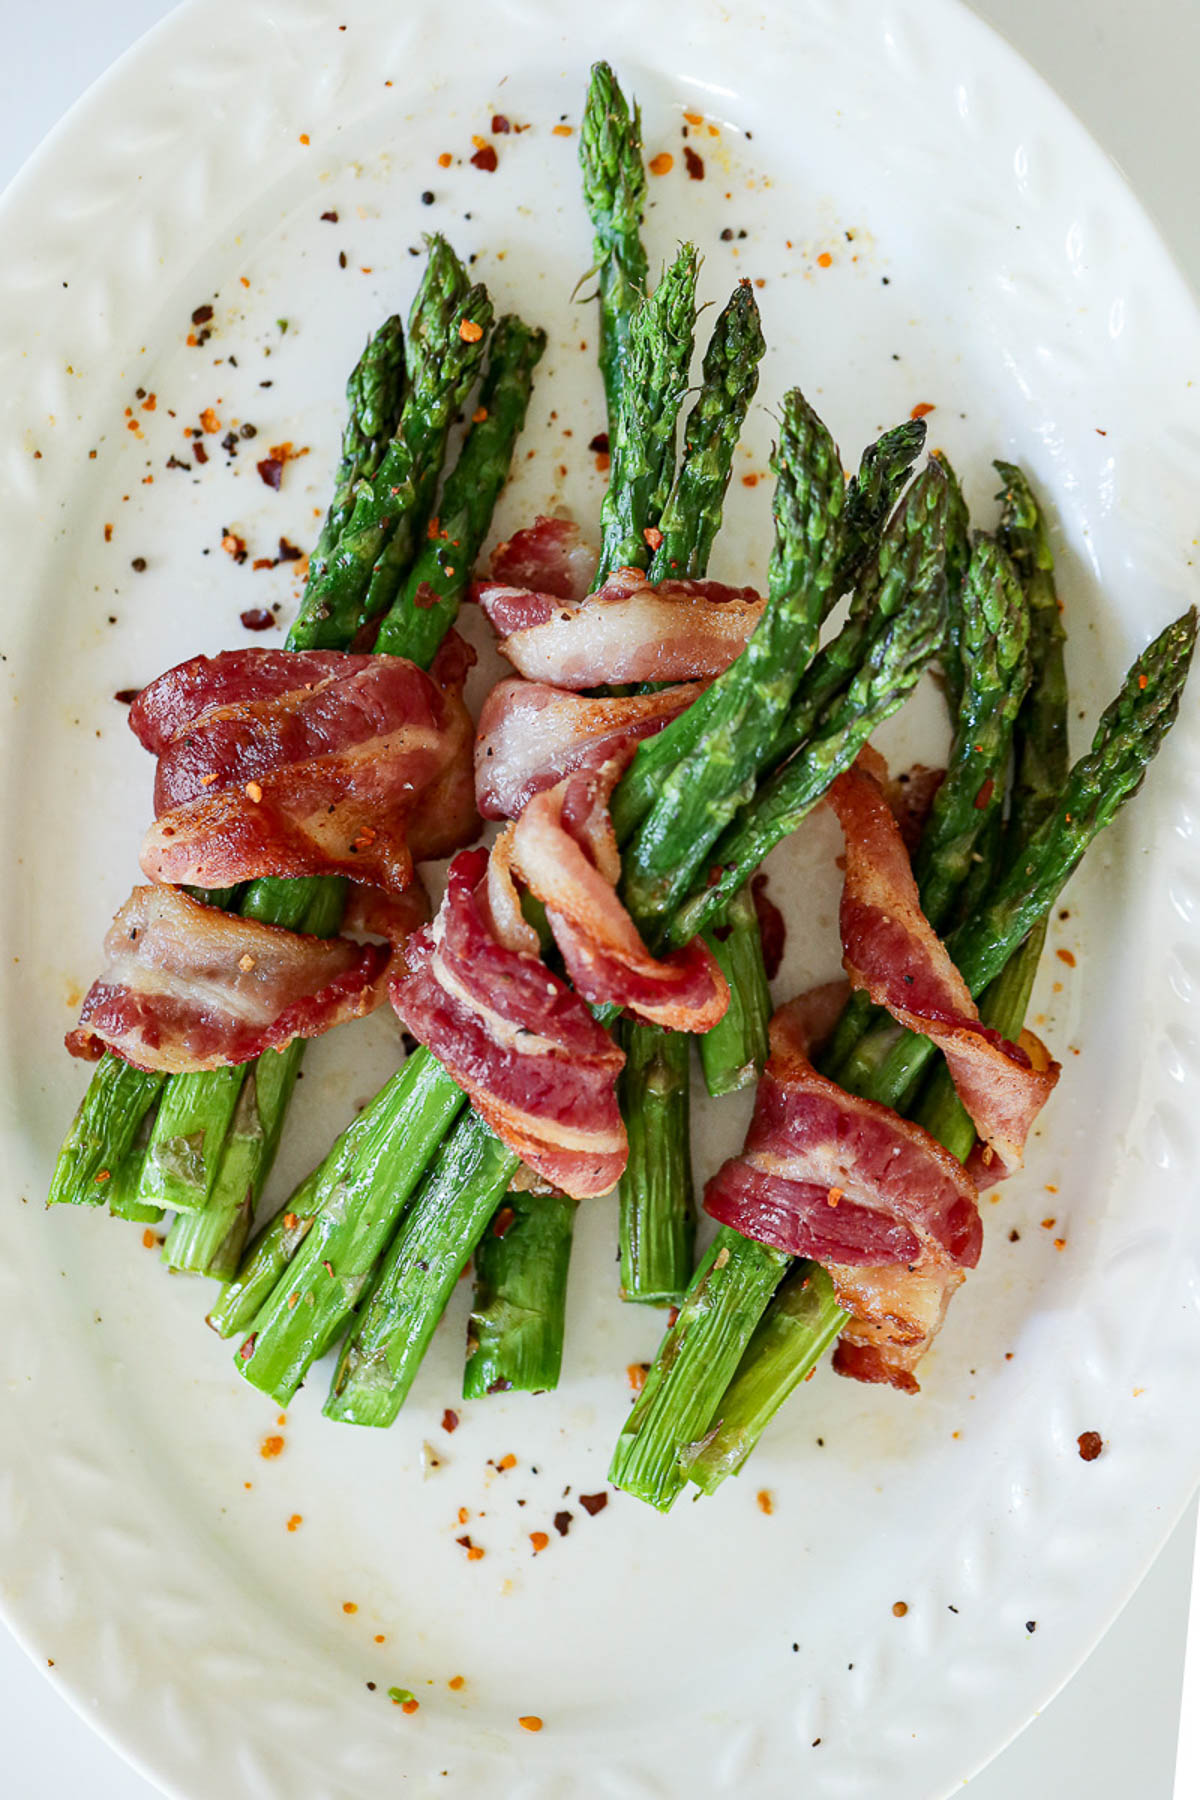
x=1130, y=73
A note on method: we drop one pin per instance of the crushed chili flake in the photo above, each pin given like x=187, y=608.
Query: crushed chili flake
x=834, y=1195
x=485, y=158
x=635, y=1374
x=922, y=409
x=209, y=420
x=1090, y=1445
x=290, y=1221
x=530, y=1721
x=539, y=1540
x=270, y=1448
x=148, y=1239
x=984, y=796
x=127, y=696
x=662, y=164
x=149, y=403
x=202, y=315
x=200, y=453
x=449, y=1420
x=1067, y=957
x=593, y=1503
x=900, y=1608
x=304, y=138
x=348, y=1606
x=500, y=125
x=246, y=1351
x=765, y=1503
x=653, y=536
x=563, y=131
x=463, y=1515
x=456, y=1681
x=503, y=1220
x=825, y=260
x=444, y=160
x=694, y=118
x=508, y=1461
x=108, y=531
x=234, y=546
x=295, y=1522
x=470, y=331
x=270, y=470
x=562, y=1523
x=693, y=164
x=253, y=792
x=257, y=618
x=600, y=443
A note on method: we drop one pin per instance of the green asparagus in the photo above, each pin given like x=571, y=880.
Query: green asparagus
x=614, y=192
x=515, y=1332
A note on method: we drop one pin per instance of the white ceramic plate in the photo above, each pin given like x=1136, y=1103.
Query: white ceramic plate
x=996, y=268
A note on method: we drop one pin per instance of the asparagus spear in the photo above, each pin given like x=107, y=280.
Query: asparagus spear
x=375, y=395
x=614, y=192
x=643, y=450
x=383, y=1352
x=958, y=557
x=265, y=1262
x=1128, y=736
x=515, y=1332
x=734, y=1051
x=657, y=1228
x=447, y=331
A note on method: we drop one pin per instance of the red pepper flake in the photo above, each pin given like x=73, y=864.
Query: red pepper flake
x=247, y=1349
x=507, y=1461
x=330, y=217
x=348, y=1606
x=750, y=481
x=653, y=536
x=539, y=1540
x=835, y=1195
x=1066, y=956
x=672, y=1315
x=662, y=164
x=456, y=1681
x=765, y=1503
x=200, y=453
x=289, y=552
x=593, y=1503
x=295, y=1522
x=411, y=1705
x=108, y=530
x=600, y=444
x=922, y=409
x=900, y=1608
x=470, y=331
x=380, y=1638
x=984, y=796
x=694, y=118
x=603, y=462
x=1142, y=681
x=825, y=260
x=270, y=1448
x=485, y=158
x=463, y=1515
x=635, y=1374
x=148, y=1239
x=233, y=545
x=270, y=470
x=500, y=125
x=530, y=1721
x=503, y=1220
x=1090, y=1445
x=693, y=164
x=304, y=137
x=202, y=315
x=149, y=403
x=444, y=160
x=263, y=562
x=474, y=1552
x=209, y=420
x=449, y=1420
x=328, y=1268
x=1049, y=1224
x=562, y=1523
x=562, y=131
x=257, y=618
x=1060, y=1243
x=253, y=792
x=126, y=696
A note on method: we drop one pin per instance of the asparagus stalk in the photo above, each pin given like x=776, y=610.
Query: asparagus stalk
x=958, y=558
x=657, y=1229
x=382, y=1354
x=375, y=395
x=267, y=1258
x=643, y=450
x=734, y=1051
x=518, y=1314
x=447, y=332
x=614, y=192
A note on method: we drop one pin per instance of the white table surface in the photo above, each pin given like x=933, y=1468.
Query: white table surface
x=1129, y=72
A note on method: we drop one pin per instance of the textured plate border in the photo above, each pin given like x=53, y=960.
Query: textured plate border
x=218, y=86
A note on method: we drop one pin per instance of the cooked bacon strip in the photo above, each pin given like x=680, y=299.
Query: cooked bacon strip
x=548, y=555
x=531, y=735
x=627, y=631
x=516, y=1038
x=891, y=950
x=359, y=767
x=890, y=1213
x=564, y=849
x=189, y=987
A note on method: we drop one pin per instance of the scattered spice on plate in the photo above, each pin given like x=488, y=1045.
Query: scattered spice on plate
x=900, y=1608
x=456, y=1681
x=635, y=1374
x=529, y=1722
x=766, y=1503
x=257, y=618
x=922, y=409
x=348, y=1606
x=693, y=164
x=295, y=1522
x=662, y=164
x=449, y=1420
x=270, y=1448
x=562, y=1523
x=825, y=260
x=485, y=158
x=1090, y=1445
x=539, y=1540
x=593, y=1503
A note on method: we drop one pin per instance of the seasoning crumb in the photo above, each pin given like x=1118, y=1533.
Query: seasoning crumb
x=653, y=537
x=562, y=1523
x=539, y=1540
x=530, y=1721
x=470, y=331
x=635, y=1374
x=662, y=164
x=507, y=1461
x=593, y=1503
x=270, y=1448
x=1090, y=1445
x=1064, y=956
x=449, y=1420
x=148, y=1238
x=900, y=1608
x=348, y=1606
x=766, y=1503
x=922, y=409
x=485, y=158
x=456, y=1681
x=295, y=1522
x=693, y=164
